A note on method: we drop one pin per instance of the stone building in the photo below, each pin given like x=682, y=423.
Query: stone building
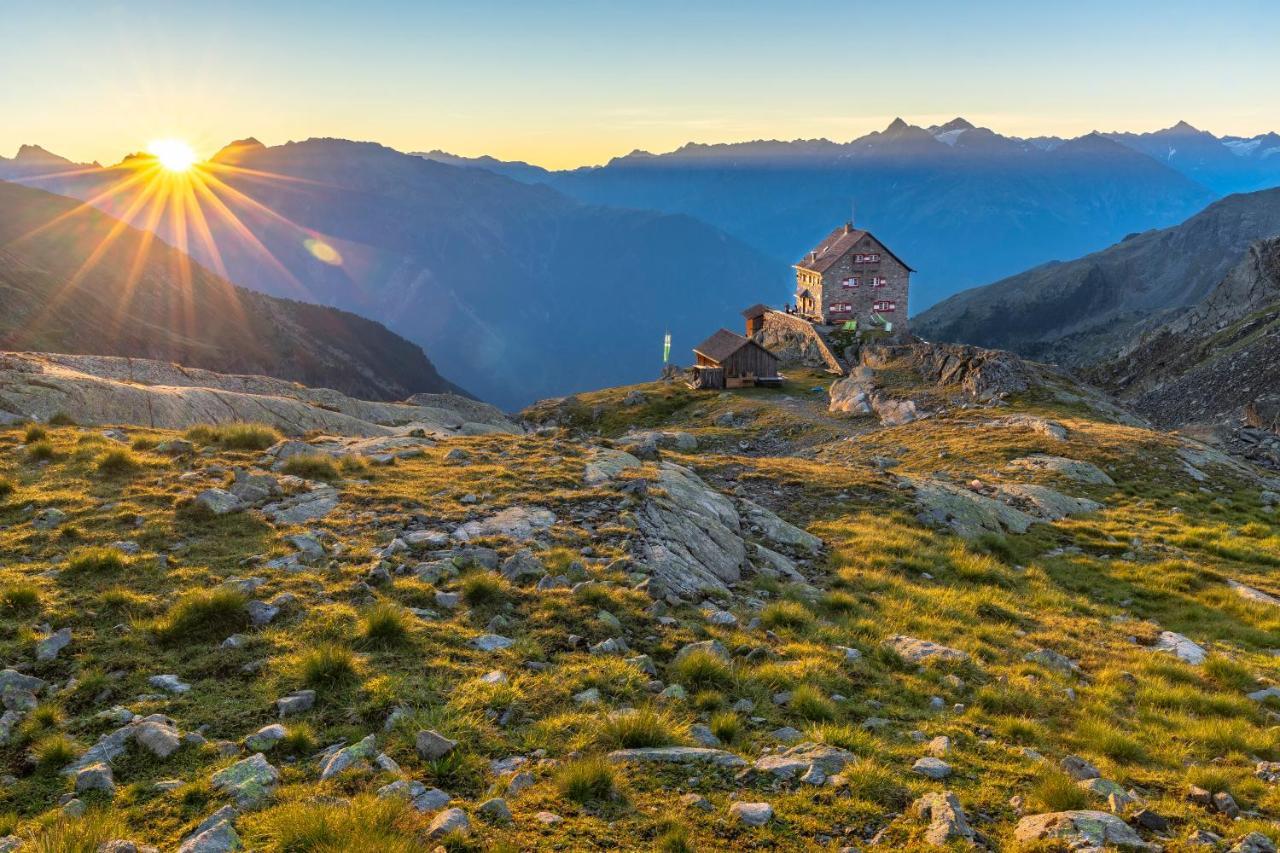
x=852, y=276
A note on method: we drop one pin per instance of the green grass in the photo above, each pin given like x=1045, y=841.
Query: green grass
x=22, y=598
x=78, y=835
x=365, y=823
x=701, y=669
x=96, y=560
x=35, y=433
x=727, y=726
x=117, y=462
x=204, y=616
x=41, y=451
x=482, y=589
x=328, y=665
x=385, y=625
x=809, y=703
x=640, y=728
x=54, y=751
x=235, y=436
x=785, y=614
x=587, y=780
x=7, y=487
x=1055, y=791
x=312, y=466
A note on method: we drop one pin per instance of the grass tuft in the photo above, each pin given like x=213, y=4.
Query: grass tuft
x=384, y=626
x=204, y=616
x=587, y=780
x=23, y=597
x=312, y=466
x=96, y=561
x=701, y=669
x=117, y=462
x=235, y=436
x=639, y=729
x=809, y=703
x=328, y=665
x=41, y=451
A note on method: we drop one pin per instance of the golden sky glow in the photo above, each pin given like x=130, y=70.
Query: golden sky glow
x=564, y=84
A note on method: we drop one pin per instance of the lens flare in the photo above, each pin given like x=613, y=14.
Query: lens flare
x=173, y=154
x=323, y=252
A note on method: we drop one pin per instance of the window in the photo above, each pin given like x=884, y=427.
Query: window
x=885, y=305
x=867, y=258
x=879, y=281
x=850, y=282
x=841, y=307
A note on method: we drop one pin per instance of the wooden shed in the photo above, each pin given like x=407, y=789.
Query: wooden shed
x=728, y=360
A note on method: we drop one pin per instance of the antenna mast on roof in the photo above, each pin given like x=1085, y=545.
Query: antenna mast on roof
x=853, y=212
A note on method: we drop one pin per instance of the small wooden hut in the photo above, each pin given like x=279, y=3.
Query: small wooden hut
x=728, y=360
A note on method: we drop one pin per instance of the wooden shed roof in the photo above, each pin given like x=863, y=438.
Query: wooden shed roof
x=721, y=345
x=756, y=310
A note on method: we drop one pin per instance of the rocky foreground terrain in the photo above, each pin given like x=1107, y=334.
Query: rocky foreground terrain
x=953, y=602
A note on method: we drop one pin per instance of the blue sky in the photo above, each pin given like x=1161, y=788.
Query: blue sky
x=565, y=84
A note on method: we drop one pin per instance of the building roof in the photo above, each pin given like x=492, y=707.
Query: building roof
x=836, y=245
x=756, y=310
x=721, y=345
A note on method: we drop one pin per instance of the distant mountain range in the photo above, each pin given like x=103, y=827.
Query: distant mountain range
x=1088, y=310
x=517, y=291
x=962, y=204
x=75, y=280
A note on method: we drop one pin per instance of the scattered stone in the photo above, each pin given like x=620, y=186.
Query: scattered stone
x=250, y=781
x=352, y=757
x=169, y=683
x=797, y=760
x=1079, y=769
x=522, y=564
x=219, y=501
x=48, y=648
x=697, y=801
x=924, y=651
x=492, y=642
x=1225, y=803
x=1081, y=830
x=432, y=745
x=265, y=738
x=1248, y=593
x=96, y=777
x=496, y=810
x=677, y=755
x=1254, y=842
x=933, y=768
x=751, y=814
x=448, y=822
x=1180, y=647
x=48, y=518
x=518, y=523
x=1052, y=660
x=297, y=702
x=946, y=818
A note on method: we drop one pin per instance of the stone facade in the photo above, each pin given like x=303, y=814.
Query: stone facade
x=853, y=276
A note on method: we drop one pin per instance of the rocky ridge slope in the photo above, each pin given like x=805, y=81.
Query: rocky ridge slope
x=106, y=390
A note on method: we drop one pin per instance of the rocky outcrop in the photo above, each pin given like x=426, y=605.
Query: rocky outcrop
x=796, y=341
x=1081, y=830
x=984, y=374
x=1009, y=508
x=104, y=390
x=858, y=394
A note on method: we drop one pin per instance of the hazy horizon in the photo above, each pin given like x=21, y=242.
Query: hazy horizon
x=566, y=85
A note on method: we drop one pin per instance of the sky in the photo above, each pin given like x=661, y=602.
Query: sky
x=564, y=84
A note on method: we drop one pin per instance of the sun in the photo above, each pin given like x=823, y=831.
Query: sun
x=174, y=154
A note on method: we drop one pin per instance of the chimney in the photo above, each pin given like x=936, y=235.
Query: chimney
x=848, y=227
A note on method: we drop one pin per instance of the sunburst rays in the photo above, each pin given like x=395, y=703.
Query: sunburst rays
x=195, y=208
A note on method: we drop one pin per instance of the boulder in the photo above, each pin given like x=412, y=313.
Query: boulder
x=932, y=768
x=448, y=822
x=218, y=502
x=1180, y=647
x=924, y=651
x=797, y=760
x=751, y=814
x=296, y=703
x=250, y=781
x=1071, y=469
x=432, y=745
x=519, y=523
x=357, y=755
x=96, y=777
x=1081, y=830
x=48, y=648
x=677, y=755
x=946, y=818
